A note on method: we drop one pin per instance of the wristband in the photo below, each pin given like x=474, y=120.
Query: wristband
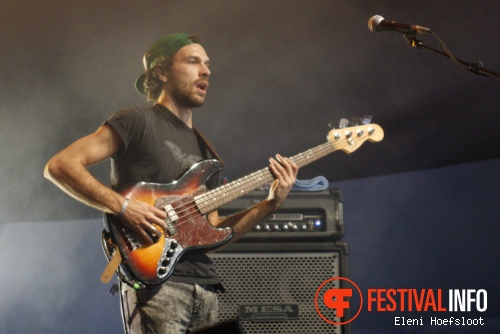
x=272, y=188
x=124, y=207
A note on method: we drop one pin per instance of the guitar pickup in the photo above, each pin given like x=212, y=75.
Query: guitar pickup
x=171, y=219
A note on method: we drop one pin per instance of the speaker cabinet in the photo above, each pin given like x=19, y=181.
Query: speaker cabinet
x=270, y=288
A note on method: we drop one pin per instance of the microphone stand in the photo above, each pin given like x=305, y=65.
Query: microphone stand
x=476, y=67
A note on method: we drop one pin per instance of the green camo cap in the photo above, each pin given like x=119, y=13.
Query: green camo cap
x=166, y=46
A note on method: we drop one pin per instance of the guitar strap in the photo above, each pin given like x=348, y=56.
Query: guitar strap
x=207, y=144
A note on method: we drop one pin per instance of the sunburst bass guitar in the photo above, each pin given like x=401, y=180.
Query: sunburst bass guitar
x=186, y=203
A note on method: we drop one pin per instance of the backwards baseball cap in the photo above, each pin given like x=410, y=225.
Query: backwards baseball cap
x=164, y=47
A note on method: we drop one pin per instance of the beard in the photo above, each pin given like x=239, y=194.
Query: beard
x=185, y=95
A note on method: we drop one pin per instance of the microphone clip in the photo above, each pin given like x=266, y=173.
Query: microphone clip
x=411, y=38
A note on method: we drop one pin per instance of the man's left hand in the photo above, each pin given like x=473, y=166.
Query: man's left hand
x=285, y=172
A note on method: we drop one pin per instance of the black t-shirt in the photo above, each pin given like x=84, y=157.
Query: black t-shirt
x=158, y=147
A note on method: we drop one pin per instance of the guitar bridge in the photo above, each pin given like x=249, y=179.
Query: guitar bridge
x=171, y=219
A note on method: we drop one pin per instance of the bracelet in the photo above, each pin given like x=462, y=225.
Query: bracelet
x=124, y=207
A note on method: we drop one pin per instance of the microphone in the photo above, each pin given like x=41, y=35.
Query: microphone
x=377, y=24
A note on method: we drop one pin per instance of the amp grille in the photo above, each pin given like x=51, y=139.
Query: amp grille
x=268, y=283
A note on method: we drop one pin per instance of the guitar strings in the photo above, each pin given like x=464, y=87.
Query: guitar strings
x=250, y=182
x=188, y=207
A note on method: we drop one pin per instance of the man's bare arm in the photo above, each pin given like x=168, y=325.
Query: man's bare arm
x=68, y=170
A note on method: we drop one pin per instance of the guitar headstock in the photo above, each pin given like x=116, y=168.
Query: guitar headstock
x=350, y=139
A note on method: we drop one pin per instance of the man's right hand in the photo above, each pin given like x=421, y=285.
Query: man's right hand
x=141, y=218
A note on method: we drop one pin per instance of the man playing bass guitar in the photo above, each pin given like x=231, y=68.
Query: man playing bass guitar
x=156, y=145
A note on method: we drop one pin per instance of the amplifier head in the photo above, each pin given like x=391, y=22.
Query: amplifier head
x=303, y=215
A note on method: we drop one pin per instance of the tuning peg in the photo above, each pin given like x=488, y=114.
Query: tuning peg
x=344, y=123
x=331, y=125
x=366, y=119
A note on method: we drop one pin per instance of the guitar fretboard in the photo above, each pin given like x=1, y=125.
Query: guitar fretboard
x=222, y=195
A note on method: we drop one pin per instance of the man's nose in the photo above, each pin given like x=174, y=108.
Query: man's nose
x=205, y=71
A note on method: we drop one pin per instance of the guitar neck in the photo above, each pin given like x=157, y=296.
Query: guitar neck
x=222, y=195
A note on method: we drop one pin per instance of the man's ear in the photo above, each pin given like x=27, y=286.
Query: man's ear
x=162, y=76
x=160, y=73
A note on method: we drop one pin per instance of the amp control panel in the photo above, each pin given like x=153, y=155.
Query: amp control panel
x=304, y=214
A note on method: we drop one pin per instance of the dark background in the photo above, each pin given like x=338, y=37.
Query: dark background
x=421, y=206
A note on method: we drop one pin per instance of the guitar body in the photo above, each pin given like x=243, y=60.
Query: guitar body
x=188, y=227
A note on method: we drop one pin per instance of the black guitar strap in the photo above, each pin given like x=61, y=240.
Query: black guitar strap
x=207, y=144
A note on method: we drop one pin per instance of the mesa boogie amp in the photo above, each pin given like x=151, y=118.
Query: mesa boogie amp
x=270, y=286
x=305, y=215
